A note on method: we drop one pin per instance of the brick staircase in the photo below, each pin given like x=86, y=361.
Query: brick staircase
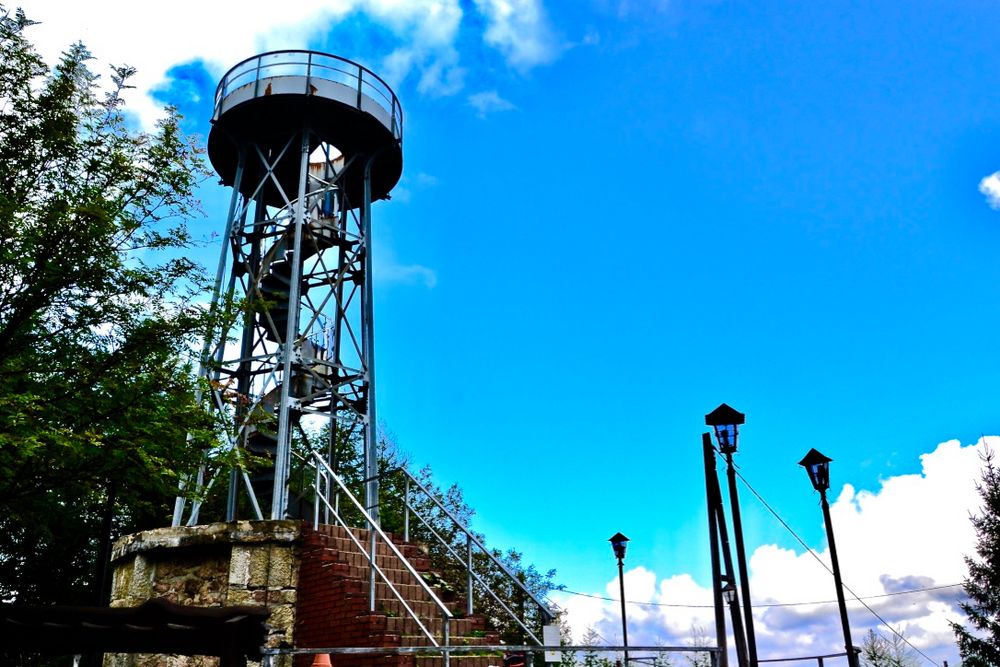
x=333, y=610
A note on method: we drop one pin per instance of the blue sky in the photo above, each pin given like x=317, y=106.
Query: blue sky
x=616, y=215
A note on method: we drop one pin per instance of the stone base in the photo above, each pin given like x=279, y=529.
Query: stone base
x=215, y=565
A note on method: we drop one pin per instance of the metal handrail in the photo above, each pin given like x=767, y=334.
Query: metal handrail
x=310, y=65
x=323, y=470
x=818, y=658
x=478, y=579
x=270, y=655
x=471, y=540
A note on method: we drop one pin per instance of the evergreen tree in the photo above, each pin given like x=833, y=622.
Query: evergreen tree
x=979, y=644
x=699, y=639
x=566, y=639
x=879, y=651
x=662, y=658
x=593, y=657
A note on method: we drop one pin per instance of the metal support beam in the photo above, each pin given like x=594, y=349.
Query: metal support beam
x=368, y=323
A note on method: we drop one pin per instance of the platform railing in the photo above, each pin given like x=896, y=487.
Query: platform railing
x=311, y=65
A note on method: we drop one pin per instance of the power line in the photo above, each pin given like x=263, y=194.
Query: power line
x=848, y=588
x=794, y=604
x=755, y=606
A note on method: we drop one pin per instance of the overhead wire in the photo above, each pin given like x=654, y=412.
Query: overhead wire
x=791, y=604
x=827, y=568
x=755, y=606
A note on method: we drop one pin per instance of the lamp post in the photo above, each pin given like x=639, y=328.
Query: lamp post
x=618, y=544
x=726, y=422
x=818, y=467
x=732, y=599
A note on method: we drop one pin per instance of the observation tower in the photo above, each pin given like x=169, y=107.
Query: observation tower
x=307, y=141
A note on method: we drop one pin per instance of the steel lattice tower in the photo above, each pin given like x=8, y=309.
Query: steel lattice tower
x=307, y=141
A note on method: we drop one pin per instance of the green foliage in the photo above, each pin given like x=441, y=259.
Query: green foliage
x=96, y=320
x=979, y=644
x=879, y=651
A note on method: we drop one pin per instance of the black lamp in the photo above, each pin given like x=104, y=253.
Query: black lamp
x=618, y=544
x=726, y=422
x=818, y=467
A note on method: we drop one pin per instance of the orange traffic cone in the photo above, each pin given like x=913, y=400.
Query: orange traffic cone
x=321, y=660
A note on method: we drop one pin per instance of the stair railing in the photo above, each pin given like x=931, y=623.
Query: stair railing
x=471, y=542
x=324, y=476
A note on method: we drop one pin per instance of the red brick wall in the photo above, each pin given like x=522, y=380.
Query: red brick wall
x=333, y=611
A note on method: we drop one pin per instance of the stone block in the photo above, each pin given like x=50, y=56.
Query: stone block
x=239, y=596
x=284, y=565
x=239, y=566
x=142, y=579
x=259, y=567
x=282, y=624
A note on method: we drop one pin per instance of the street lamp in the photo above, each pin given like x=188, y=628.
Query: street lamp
x=618, y=545
x=818, y=468
x=729, y=592
x=726, y=422
x=731, y=597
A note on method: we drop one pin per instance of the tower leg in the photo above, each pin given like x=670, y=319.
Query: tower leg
x=371, y=423
x=290, y=349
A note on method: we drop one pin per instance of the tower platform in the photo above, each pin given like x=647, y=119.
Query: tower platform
x=266, y=99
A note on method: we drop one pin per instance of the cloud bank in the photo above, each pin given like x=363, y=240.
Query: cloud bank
x=901, y=549
x=422, y=36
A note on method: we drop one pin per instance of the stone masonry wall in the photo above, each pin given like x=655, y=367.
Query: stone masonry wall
x=222, y=564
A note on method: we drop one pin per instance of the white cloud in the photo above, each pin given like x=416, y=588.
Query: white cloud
x=222, y=34
x=489, y=101
x=628, y=8
x=520, y=30
x=909, y=534
x=388, y=269
x=424, y=180
x=990, y=187
x=409, y=185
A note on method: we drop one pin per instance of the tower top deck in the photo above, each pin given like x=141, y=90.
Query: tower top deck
x=270, y=97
